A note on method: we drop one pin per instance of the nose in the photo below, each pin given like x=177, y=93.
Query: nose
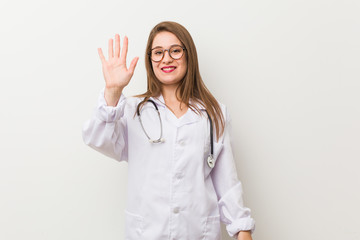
x=167, y=57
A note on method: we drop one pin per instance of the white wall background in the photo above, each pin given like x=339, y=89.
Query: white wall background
x=288, y=70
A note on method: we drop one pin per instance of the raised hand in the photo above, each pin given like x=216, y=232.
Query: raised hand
x=116, y=74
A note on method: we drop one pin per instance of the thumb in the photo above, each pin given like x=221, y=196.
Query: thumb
x=133, y=65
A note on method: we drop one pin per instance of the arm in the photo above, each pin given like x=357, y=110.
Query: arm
x=106, y=131
x=229, y=190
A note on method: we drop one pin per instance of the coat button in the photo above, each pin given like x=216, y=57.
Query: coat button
x=178, y=175
x=176, y=210
x=181, y=143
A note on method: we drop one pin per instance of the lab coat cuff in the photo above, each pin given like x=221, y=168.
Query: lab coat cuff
x=109, y=113
x=243, y=224
x=234, y=214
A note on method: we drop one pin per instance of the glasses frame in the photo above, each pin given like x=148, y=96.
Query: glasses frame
x=184, y=49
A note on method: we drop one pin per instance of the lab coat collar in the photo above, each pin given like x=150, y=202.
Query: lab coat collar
x=188, y=118
x=161, y=102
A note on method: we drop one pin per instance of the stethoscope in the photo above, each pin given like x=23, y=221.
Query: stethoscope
x=210, y=159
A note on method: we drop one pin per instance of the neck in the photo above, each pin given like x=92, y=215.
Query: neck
x=169, y=93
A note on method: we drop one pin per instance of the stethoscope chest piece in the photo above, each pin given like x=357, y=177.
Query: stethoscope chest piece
x=210, y=161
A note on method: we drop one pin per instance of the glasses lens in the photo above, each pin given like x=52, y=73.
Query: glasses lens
x=157, y=54
x=176, y=52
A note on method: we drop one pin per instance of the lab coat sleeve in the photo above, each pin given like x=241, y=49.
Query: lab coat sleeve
x=228, y=188
x=106, y=130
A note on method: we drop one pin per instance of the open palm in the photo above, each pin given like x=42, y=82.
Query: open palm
x=116, y=74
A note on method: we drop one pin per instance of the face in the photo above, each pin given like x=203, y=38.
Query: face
x=169, y=71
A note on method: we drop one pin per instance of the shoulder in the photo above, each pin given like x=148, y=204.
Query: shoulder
x=222, y=107
x=133, y=101
x=201, y=105
x=224, y=110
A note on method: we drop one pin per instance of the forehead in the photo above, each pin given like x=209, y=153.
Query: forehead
x=165, y=40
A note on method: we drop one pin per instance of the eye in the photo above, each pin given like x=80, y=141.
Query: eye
x=176, y=49
x=158, y=52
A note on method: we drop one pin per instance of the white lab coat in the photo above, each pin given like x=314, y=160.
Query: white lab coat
x=172, y=192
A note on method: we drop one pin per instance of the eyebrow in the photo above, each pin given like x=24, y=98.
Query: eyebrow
x=163, y=47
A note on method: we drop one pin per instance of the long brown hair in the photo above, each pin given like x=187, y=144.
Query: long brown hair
x=191, y=86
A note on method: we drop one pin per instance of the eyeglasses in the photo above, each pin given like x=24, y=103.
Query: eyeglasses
x=175, y=52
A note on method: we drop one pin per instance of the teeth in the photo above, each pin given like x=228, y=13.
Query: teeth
x=168, y=68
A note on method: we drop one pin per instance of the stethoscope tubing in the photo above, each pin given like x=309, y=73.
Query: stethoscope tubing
x=160, y=139
x=210, y=159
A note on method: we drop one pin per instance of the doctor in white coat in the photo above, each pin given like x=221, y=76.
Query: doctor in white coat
x=182, y=179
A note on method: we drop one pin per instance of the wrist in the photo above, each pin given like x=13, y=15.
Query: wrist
x=244, y=235
x=112, y=96
x=114, y=90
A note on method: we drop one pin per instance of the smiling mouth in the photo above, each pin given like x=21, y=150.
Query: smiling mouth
x=168, y=69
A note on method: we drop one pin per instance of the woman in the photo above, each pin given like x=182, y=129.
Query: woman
x=182, y=179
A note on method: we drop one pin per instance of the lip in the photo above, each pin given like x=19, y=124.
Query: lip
x=168, y=71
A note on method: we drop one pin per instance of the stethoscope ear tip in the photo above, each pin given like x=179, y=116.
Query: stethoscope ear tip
x=162, y=140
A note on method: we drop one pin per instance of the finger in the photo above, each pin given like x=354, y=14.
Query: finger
x=102, y=58
x=111, y=51
x=133, y=65
x=124, y=50
x=117, y=45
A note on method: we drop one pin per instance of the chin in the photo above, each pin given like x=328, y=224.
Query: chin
x=169, y=82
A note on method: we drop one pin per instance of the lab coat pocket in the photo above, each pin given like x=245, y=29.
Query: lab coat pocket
x=212, y=228
x=133, y=226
